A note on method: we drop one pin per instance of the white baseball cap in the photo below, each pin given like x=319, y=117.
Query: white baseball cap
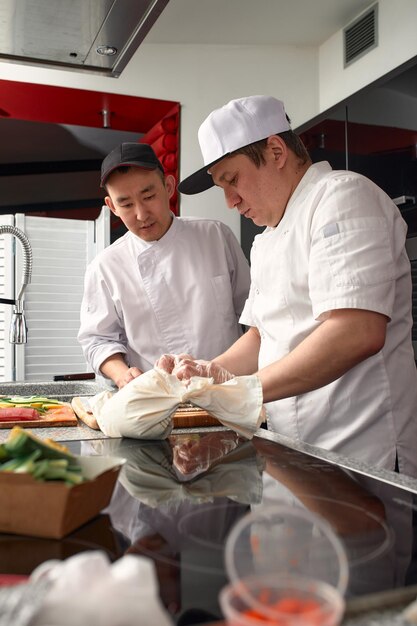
x=235, y=125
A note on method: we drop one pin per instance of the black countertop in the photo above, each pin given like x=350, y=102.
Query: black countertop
x=177, y=500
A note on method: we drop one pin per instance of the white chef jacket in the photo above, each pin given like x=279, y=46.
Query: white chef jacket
x=183, y=293
x=340, y=244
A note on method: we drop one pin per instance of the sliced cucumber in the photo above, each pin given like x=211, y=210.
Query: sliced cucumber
x=23, y=452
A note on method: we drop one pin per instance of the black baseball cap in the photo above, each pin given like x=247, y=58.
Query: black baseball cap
x=129, y=154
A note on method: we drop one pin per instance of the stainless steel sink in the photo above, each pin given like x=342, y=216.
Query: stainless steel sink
x=59, y=390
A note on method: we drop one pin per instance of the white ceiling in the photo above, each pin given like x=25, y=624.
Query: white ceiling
x=253, y=22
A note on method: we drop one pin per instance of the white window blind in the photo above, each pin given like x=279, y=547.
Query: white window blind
x=61, y=250
x=6, y=291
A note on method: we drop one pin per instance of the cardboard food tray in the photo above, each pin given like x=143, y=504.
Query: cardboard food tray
x=21, y=554
x=52, y=509
x=46, y=421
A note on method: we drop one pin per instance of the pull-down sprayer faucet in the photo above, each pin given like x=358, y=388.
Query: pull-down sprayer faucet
x=18, y=329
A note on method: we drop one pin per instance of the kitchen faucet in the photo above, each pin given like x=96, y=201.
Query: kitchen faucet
x=18, y=328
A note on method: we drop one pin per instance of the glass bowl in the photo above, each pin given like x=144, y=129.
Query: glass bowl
x=286, y=541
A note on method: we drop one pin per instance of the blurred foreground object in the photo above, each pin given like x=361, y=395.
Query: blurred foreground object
x=286, y=567
x=125, y=592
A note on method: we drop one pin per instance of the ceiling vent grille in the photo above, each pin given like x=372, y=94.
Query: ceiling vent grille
x=361, y=36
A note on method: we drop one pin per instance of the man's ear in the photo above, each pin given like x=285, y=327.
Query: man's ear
x=278, y=150
x=170, y=185
x=110, y=204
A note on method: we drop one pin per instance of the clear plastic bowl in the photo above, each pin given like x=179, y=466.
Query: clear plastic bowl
x=285, y=541
x=287, y=601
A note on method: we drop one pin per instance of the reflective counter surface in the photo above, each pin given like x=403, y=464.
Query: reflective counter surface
x=177, y=500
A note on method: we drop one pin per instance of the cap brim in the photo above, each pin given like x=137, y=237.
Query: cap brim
x=200, y=180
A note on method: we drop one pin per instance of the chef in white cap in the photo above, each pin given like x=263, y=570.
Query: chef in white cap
x=329, y=308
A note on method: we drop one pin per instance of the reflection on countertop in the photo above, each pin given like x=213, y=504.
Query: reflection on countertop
x=177, y=500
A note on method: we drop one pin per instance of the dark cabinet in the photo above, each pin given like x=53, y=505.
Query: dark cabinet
x=374, y=132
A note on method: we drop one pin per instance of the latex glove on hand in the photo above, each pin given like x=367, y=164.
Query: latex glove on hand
x=167, y=362
x=187, y=368
x=193, y=457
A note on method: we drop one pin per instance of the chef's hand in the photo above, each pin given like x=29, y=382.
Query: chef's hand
x=168, y=362
x=127, y=376
x=116, y=368
x=186, y=368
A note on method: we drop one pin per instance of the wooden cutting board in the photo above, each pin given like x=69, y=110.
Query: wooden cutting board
x=186, y=416
x=64, y=416
x=189, y=416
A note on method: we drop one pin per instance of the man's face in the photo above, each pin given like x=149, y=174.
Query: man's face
x=260, y=194
x=141, y=199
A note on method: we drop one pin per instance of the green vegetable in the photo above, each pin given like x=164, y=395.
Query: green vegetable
x=40, y=468
x=21, y=465
x=3, y=453
x=44, y=460
x=12, y=465
x=57, y=473
x=21, y=443
x=40, y=403
x=30, y=399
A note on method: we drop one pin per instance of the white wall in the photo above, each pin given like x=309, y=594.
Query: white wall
x=205, y=77
x=397, y=43
x=201, y=78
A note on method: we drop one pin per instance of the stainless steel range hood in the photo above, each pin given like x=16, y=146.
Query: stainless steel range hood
x=97, y=36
